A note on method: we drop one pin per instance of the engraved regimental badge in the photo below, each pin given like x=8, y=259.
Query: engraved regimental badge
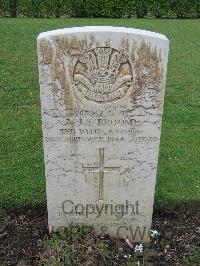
x=103, y=75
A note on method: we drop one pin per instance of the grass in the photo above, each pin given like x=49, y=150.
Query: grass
x=22, y=179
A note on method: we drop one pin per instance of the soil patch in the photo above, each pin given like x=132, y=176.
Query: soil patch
x=23, y=231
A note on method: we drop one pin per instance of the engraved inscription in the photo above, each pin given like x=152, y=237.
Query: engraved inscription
x=103, y=75
x=101, y=169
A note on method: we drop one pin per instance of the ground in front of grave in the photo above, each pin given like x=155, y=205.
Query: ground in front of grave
x=25, y=241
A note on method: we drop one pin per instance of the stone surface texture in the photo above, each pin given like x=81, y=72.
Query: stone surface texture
x=102, y=93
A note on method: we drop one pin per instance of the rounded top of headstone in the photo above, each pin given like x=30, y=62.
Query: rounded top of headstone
x=93, y=29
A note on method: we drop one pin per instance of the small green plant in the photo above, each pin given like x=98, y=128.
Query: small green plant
x=78, y=245
x=66, y=246
x=194, y=259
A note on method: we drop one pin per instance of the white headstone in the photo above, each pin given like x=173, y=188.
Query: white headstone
x=102, y=91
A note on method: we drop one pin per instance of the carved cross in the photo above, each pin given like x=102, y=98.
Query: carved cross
x=101, y=169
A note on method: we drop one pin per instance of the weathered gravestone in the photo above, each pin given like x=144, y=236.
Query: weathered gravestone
x=102, y=91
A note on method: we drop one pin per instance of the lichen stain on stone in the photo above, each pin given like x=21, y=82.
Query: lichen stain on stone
x=59, y=50
x=145, y=61
x=124, y=46
x=72, y=48
x=107, y=43
x=148, y=69
x=46, y=52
